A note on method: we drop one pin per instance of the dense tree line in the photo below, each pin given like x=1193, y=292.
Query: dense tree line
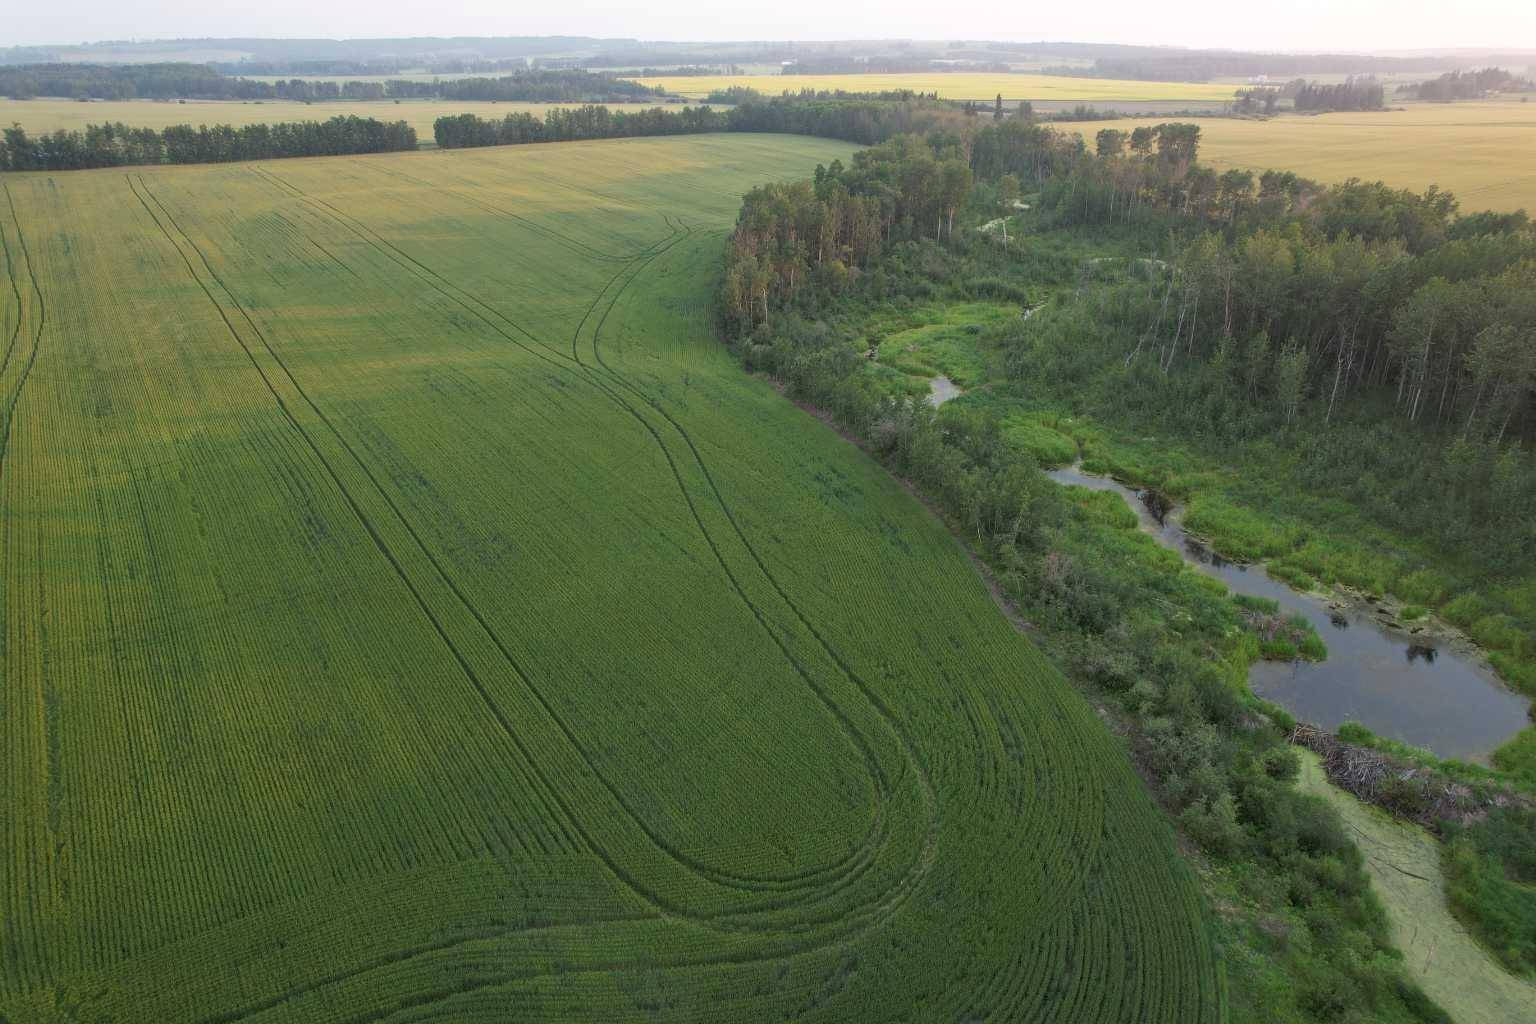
x=1450, y=333
x=336, y=67
x=1351, y=94
x=117, y=145
x=118, y=81
x=1369, y=291
x=1263, y=101
x=811, y=233
x=571, y=124
x=1277, y=292
x=690, y=71
x=737, y=94
x=911, y=186
x=202, y=82
x=859, y=120
x=1467, y=85
x=537, y=86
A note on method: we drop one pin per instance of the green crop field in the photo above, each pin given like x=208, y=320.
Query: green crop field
x=1482, y=152
x=48, y=115
x=411, y=612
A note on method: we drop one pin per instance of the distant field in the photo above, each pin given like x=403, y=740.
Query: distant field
x=958, y=86
x=1483, y=152
x=46, y=115
x=412, y=611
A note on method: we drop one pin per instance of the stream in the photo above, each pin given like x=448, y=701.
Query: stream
x=941, y=389
x=1422, y=689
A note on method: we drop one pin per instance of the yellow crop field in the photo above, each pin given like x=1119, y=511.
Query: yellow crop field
x=1483, y=152
x=957, y=86
x=48, y=115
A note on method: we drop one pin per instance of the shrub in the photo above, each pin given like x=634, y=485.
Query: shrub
x=1425, y=586
x=1281, y=762
x=1465, y=610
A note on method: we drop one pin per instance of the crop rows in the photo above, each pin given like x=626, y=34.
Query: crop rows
x=411, y=613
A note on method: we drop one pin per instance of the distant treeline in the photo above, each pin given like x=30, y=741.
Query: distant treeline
x=689, y=71
x=377, y=67
x=861, y=120
x=201, y=82
x=1352, y=94
x=1467, y=85
x=117, y=145
x=462, y=131
x=528, y=87
x=737, y=94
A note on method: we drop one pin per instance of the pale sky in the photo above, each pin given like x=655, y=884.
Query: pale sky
x=1352, y=25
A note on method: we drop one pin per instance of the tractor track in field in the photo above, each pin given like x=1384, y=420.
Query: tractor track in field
x=851, y=924
x=368, y=525
x=37, y=333
x=403, y=955
x=10, y=273
x=50, y=728
x=546, y=353
x=869, y=695
x=876, y=770
x=549, y=355
x=926, y=858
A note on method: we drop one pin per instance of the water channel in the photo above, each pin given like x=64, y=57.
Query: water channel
x=1423, y=689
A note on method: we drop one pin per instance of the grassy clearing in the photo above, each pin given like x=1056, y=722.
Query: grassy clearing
x=48, y=115
x=409, y=604
x=956, y=86
x=1405, y=866
x=932, y=340
x=1483, y=152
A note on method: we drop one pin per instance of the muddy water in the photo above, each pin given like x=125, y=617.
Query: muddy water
x=941, y=389
x=1418, y=688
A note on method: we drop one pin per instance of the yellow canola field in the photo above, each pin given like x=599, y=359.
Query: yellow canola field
x=1483, y=152
x=956, y=86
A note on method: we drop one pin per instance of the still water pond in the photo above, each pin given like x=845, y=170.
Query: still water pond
x=1418, y=689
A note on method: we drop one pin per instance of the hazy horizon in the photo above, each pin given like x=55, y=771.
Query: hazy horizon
x=1307, y=26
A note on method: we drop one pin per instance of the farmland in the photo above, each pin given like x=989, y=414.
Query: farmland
x=957, y=86
x=47, y=115
x=1483, y=152
x=412, y=612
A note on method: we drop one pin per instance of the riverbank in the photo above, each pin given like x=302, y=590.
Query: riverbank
x=1404, y=863
x=1416, y=687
